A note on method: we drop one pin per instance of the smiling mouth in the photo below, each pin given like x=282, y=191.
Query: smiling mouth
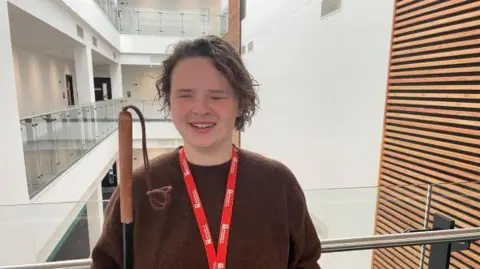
x=202, y=125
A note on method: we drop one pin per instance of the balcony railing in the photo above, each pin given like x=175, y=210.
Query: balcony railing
x=54, y=141
x=145, y=21
x=170, y=23
x=110, y=9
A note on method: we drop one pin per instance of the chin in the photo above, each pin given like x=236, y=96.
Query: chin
x=203, y=144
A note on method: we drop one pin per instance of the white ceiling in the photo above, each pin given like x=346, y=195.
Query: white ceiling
x=213, y=5
x=30, y=33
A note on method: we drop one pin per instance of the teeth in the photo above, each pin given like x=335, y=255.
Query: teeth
x=203, y=125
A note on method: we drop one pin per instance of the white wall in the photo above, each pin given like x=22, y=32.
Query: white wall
x=322, y=88
x=142, y=59
x=13, y=188
x=157, y=130
x=140, y=81
x=322, y=94
x=102, y=71
x=147, y=44
x=40, y=81
x=107, y=50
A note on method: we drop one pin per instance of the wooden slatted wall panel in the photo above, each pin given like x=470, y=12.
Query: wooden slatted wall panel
x=432, y=126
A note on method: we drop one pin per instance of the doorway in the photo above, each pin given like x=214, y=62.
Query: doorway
x=69, y=89
x=103, y=88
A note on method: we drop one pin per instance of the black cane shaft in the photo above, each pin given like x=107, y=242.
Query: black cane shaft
x=128, y=246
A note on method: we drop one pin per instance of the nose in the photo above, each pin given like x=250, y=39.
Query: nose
x=200, y=106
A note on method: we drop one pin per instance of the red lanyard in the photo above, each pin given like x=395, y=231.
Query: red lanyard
x=218, y=260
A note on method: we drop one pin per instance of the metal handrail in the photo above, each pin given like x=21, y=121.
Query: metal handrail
x=329, y=245
x=71, y=108
x=399, y=240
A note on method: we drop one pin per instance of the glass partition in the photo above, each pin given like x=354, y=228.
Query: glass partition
x=49, y=232
x=170, y=23
x=151, y=110
x=395, y=209
x=52, y=142
x=110, y=9
x=354, y=212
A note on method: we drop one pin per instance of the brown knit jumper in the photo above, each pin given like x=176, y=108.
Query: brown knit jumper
x=271, y=227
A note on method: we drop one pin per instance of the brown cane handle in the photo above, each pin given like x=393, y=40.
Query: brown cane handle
x=125, y=147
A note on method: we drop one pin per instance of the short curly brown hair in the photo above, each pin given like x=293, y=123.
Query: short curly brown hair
x=226, y=60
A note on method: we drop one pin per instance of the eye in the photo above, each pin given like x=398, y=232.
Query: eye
x=185, y=95
x=218, y=97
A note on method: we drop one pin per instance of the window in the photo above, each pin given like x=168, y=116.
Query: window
x=243, y=9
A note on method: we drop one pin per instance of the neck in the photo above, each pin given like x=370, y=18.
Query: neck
x=208, y=156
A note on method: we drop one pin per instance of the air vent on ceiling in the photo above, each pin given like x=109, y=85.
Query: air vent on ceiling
x=244, y=48
x=330, y=7
x=95, y=41
x=79, y=31
x=250, y=46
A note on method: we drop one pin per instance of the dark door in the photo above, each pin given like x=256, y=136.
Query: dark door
x=100, y=85
x=69, y=90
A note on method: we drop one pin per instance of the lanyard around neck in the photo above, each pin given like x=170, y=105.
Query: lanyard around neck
x=216, y=260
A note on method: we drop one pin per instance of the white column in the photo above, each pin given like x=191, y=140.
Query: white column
x=95, y=216
x=16, y=244
x=84, y=74
x=116, y=79
x=13, y=182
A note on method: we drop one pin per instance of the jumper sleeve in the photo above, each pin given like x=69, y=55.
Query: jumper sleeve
x=305, y=246
x=107, y=253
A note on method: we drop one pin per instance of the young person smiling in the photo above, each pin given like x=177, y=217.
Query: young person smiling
x=222, y=206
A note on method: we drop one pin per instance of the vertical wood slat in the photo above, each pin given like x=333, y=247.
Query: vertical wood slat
x=431, y=127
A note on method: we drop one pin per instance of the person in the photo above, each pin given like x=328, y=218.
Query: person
x=224, y=206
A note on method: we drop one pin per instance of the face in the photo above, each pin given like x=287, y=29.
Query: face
x=203, y=104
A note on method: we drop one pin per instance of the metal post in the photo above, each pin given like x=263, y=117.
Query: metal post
x=440, y=253
x=138, y=22
x=183, y=29
x=425, y=222
x=161, y=28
